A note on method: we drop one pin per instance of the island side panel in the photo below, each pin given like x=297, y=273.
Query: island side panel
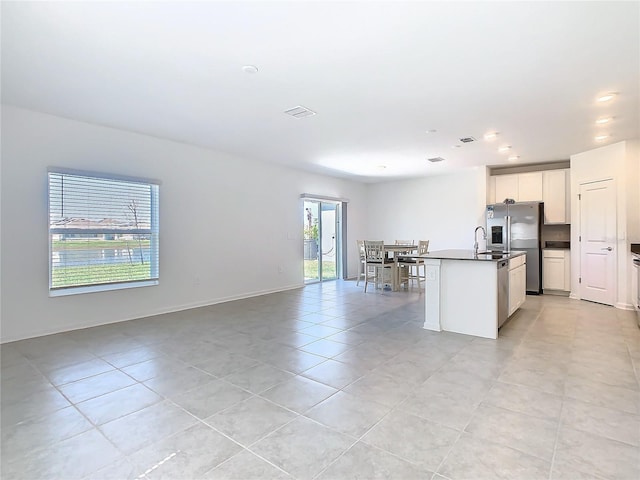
x=432, y=295
x=469, y=297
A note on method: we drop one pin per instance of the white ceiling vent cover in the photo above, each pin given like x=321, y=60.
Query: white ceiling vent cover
x=436, y=159
x=300, y=112
x=467, y=139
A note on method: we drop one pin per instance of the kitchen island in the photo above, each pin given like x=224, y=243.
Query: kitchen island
x=472, y=293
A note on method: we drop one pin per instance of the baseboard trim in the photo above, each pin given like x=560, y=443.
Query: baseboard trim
x=618, y=305
x=153, y=313
x=624, y=306
x=557, y=293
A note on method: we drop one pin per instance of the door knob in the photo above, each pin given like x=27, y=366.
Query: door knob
x=608, y=249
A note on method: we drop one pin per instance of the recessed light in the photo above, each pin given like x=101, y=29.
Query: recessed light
x=603, y=121
x=606, y=97
x=491, y=136
x=504, y=148
x=600, y=138
x=250, y=69
x=433, y=130
x=513, y=158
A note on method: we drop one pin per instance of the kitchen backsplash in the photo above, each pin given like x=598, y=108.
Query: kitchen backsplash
x=556, y=233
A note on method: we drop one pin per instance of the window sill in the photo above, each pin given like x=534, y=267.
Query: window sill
x=63, y=292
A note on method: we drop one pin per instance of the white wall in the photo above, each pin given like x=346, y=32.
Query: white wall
x=226, y=223
x=633, y=190
x=443, y=209
x=619, y=162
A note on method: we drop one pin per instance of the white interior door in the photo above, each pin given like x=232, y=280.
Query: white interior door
x=598, y=242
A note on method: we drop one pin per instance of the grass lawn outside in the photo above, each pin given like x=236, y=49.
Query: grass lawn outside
x=311, y=270
x=124, y=272
x=99, y=274
x=80, y=244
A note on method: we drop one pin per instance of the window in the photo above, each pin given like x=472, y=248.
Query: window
x=103, y=232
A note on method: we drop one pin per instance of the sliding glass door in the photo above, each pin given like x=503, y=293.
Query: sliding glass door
x=321, y=240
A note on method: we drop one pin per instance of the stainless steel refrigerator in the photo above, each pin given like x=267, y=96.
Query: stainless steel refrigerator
x=524, y=229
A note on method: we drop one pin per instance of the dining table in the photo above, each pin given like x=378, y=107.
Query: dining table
x=398, y=251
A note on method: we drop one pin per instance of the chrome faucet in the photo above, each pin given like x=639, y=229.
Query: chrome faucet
x=475, y=238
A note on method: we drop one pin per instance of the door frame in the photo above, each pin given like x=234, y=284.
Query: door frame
x=579, y=225
x=340, y=235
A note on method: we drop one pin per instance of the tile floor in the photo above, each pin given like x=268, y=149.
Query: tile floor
x=327, y=382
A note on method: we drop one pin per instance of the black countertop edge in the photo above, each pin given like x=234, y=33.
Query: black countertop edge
x=557, y=244
x=470, y=255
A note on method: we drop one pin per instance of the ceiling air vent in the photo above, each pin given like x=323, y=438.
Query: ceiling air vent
x=300, y=112
x=436, y=159
x=467, y=139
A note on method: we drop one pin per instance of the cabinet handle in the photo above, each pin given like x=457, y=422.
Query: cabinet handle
x=608, y=249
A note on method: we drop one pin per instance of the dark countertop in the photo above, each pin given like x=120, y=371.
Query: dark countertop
x=469, y=255
x=557, y=244
x=635, y=248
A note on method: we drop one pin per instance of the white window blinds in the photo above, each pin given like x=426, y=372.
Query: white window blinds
x=103, y=231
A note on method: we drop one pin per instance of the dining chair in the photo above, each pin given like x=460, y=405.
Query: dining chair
x=413, y=265
x=376, y=263
x=362, y=261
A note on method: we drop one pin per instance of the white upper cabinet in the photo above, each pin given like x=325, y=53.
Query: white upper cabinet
x=491, y=190
x=522, y=187
x=549, y=186
x=530, y=187
x=555, y=196
x=506, y=187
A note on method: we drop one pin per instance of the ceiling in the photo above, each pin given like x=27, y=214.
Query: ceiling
x=379, y=75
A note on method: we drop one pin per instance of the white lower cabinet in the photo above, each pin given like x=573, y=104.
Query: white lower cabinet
x=517, y=283
x=556, y=266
